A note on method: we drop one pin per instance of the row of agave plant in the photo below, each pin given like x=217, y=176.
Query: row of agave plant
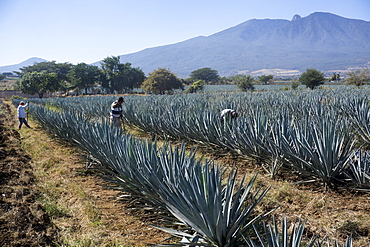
x=321, y=135
x=320, y=140
x=214, y=208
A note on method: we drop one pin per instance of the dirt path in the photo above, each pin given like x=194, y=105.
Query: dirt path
x=23, y=222
x=48, y=197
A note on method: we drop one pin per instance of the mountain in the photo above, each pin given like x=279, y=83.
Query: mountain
x=323, y=41
x=16, y=67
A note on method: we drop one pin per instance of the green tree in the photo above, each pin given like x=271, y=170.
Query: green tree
x=132, y=77
x=295, y=85
x=60, y=69
x=8, y=74
x=39, y=83
x=160, y=81
x=210, y=76
x=110, y=68
x=195, y=87
x=243, y=82
x=358, y=77
x=335, y=77
x=225, y=80
x=312, y=78
x=265, y=79
x=120, y=77
x=2, y=77
x=83, y=76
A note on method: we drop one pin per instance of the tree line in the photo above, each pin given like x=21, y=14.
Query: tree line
x=116, y=77
x=48, y=77
x=111, y=77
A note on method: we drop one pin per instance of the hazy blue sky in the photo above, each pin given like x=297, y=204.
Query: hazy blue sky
x=90, y=30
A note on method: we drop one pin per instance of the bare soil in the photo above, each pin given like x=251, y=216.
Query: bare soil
x=88, y=213
x=24, y=222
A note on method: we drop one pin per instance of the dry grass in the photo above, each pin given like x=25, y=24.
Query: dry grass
x=88, y=215
x=8, y=83
x=328, y=213
x=334, y=214
x=84, y=212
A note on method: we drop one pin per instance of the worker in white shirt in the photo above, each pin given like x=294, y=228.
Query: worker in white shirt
x=228, y=114
x=22, y=114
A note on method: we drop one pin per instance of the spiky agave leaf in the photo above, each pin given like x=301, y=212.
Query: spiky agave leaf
x=321, y=151
x=359, y=170
x=325, y=242
x=272, y=237
x=358, y=111
x=220, y=215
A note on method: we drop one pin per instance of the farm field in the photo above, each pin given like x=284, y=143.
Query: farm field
x=8, y=83
x=334, y=210
x=48, y=198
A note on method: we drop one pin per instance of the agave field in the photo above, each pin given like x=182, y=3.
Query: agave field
x=319, y=136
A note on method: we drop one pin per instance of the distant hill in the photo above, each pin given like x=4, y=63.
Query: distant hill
x=16, y=67
x=321, y=40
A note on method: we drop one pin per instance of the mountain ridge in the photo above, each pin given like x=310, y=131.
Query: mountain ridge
x=321, y=40
x=16, y=67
